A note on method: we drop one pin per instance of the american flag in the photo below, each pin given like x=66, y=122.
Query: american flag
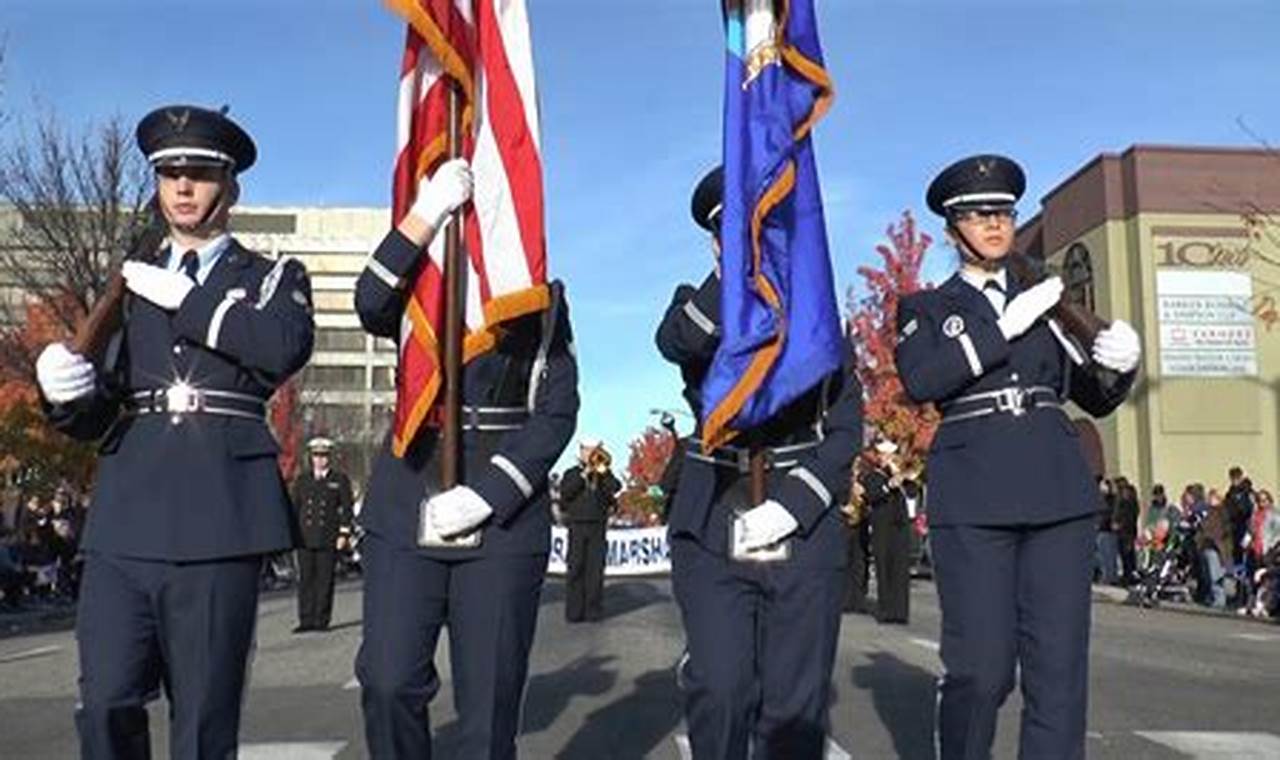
x=484, y=46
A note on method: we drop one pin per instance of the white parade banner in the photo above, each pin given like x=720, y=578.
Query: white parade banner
x=630, y=551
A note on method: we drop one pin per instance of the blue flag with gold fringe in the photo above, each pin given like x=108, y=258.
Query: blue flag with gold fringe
x=781, y=328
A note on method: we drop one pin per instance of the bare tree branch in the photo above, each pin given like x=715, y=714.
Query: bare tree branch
x=74, y=204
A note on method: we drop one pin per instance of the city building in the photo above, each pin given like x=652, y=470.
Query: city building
x=1184, y=244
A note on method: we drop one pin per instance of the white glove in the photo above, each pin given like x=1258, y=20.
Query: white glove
x=457, y=511
x=159, y=286
x=1118, y=347
x=63, y=376
x=766, y=524
x=1028, y=306
x=443, y=193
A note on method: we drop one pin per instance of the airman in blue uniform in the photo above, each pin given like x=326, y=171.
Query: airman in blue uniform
x=188, y=496
x=761, y=635
x=520, y=404
x=1011, y=514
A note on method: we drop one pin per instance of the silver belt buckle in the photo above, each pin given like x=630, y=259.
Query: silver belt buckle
x=180, y=399
x=1012, y=400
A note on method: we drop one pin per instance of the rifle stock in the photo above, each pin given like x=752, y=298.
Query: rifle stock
x=106, y=315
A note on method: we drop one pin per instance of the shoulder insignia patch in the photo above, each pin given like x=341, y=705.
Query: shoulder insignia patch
x=272, y=281
x=953, y=326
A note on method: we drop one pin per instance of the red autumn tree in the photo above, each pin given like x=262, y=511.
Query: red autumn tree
x=872, y=322
x=284, y=413
x=32, y=454
x=649, y=454
x=638, y=503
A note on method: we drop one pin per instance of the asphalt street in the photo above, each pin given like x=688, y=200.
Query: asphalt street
x=1164, y=685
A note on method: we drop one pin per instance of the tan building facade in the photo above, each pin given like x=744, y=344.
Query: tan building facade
x=1184, y=244
x=348, y=388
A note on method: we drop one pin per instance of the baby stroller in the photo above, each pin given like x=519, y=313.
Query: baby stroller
x=1171, y=569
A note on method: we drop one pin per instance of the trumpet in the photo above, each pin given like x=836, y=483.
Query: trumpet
x=599, y=461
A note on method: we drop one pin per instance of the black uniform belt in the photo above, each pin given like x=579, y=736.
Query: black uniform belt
x=739, y=458
x=1015, y=400
x=493, y=418
x=178, y=400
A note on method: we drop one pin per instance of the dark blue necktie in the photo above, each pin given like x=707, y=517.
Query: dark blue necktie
x=191, y=265
x=997, y=287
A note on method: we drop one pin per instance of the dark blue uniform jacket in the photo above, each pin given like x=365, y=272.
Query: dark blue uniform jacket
x=198, y=486
x=999, y=469
x=507, y=469
x=820, y=477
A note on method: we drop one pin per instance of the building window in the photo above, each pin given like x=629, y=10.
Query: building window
x=384, y=378
x=1077, y=276
x=340, y=339
x=333, y=378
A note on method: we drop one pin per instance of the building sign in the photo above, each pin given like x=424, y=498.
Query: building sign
x=629, y=551
x=1206, y=323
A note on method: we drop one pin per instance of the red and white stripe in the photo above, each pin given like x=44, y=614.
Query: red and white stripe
x=503, y=232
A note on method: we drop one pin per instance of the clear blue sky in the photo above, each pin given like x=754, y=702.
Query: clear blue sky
x=630, y=96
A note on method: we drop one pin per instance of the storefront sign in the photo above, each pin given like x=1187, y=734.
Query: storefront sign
x=1206, y=323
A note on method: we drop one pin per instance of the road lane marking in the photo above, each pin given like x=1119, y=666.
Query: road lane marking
x=291, y=750
x=1214, y=745
x=351, y=685
x=30, y=654
x=929, y=644
x=1261, y=637
x=834, y=751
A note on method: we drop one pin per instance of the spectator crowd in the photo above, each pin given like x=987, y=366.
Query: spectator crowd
x=1218, y=547
x=39, y=551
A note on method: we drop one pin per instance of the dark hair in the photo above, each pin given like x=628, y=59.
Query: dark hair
x=1158, y=488
x=1235, y=472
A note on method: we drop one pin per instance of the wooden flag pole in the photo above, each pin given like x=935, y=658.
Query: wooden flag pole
x=757, y=476
x=454, y=296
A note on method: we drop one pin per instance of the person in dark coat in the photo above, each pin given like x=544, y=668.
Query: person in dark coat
x=858, y=528
x=761, y=613
x=1125, y=525
x=890, y=533
x=1011, y=492
x=322, y=496
x=188, y=497
x=470, y=558
x=588, y=495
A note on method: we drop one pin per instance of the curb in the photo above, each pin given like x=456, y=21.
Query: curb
x=1120, y=597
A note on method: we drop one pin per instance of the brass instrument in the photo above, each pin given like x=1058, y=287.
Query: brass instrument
x=599, y=462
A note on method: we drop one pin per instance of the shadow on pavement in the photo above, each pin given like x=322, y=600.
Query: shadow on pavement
x=629, y=728
x=548, y=694
x=903, y=697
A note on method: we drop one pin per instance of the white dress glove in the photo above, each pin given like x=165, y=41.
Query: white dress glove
x=1028, y=306
x=457, y=511
x=63, y=375
x=443, y=193
x=1118, y=347
x=159, y=286
x=766, y=524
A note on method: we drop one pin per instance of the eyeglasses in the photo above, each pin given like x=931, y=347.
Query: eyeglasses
x=194, y=172
x=976, y=215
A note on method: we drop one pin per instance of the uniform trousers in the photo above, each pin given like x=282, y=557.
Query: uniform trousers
x=761, y=640
x=584, y=586
x=490, y=605
x=855, y=597
x=891, y=547
x=1014, y=596
x=315, y=586
x=187, y=626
